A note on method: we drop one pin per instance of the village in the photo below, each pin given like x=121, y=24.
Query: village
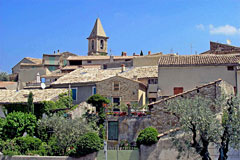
x=109, y=101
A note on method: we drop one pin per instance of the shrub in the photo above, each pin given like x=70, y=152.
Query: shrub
x=97, y=101
x=87, y=144
x=16, y=123
x=24, y=146
x=148, y=136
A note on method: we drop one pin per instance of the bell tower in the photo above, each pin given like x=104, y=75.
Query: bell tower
x=97, y=41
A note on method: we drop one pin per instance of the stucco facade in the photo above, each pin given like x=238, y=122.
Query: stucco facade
x=129, y=90
x=192, y=76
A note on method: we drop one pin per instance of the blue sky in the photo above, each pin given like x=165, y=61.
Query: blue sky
x=29, y=28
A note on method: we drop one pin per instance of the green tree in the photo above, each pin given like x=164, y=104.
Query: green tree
x=65, y=131
x=4, y=76
x=30, y=103
x=147, y=136
x=16, y=123
x=87, y=144
x=97, y=101
x=199, y=123
x=141, y=53
x=230, y=125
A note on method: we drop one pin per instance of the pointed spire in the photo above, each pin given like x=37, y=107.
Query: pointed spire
x=97, y=30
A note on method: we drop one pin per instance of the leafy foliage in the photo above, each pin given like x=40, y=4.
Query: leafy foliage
x=65, y=131
x=87, y=144
x=16, y=123
x=148, y=136
x=97, y=100
x=30, y=103
x=24, y=146
x=4, y=76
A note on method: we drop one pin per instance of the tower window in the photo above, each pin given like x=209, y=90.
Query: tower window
x=92, y=44
x=101, y=44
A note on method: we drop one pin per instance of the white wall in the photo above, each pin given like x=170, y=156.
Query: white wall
x=190, y=77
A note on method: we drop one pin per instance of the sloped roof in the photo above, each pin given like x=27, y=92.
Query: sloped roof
x=21, y=96
x=198, y=60
x=34, y=60
x=85, y=75
x=98, y=30
x=5, y=84
x=97, y=57
x=183, y=93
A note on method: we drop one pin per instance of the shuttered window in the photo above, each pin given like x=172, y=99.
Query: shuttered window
x=177, y=90
x=112, y=130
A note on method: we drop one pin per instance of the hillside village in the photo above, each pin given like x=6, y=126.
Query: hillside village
x=138, y=87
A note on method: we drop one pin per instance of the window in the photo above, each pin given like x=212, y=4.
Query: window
x=89, y=61
x=112, y=130
x=230, y=68
x=116, y=101
x=52, y=68
x=64, y=62
x=92, y=44
x=177, y=90
x=75, y=63
x=101, y=44
x=94, y=91
x=116, y=86
x=74, y=94
x=153, y=81
x=51, y=60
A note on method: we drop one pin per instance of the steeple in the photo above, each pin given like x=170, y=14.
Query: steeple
x=97, y=41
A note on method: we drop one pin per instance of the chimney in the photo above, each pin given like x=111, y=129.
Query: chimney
x=149, y=52
x=54, y=52
x=135, y=77
x=124, y=53
x=134, y=54
x=58, y=51
x=111, y=58
x=123, y=67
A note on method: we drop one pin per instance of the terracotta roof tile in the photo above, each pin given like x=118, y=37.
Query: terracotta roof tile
x=195, y=60
x=21, y=96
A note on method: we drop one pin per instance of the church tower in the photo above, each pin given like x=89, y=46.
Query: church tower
x=97, y=41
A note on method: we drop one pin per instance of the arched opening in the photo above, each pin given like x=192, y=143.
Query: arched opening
x=101, y=44
x=92, y=44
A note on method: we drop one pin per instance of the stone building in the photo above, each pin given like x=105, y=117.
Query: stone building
x=97, y=41
x=122, y=90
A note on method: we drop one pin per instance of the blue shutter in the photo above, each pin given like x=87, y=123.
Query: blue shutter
x=74, y=94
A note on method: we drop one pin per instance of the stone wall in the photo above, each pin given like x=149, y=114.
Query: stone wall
x=129, y=127
x=165, y=121
x=82, y=109
x=91, y=156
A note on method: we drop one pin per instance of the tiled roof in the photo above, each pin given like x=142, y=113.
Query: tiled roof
x=3, y=84
x=193, y=60
x=21, y=96
x=85, y=75
x=180, y=94
x=97, y=57
x=34, y=60
x=31, y=64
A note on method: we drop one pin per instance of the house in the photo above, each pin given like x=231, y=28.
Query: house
x=26, y=62
x=148, y=60
x=177, y=74
x=55, y=61
x=219, y=48
x=122, y=90
x=83, y=80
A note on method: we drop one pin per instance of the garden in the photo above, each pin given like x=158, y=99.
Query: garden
x=25, y=132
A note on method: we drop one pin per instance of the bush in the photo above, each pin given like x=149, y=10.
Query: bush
x=16, y=123
x=97, y=101
x=87, y=144
x=148, y=136
x=24, y=146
